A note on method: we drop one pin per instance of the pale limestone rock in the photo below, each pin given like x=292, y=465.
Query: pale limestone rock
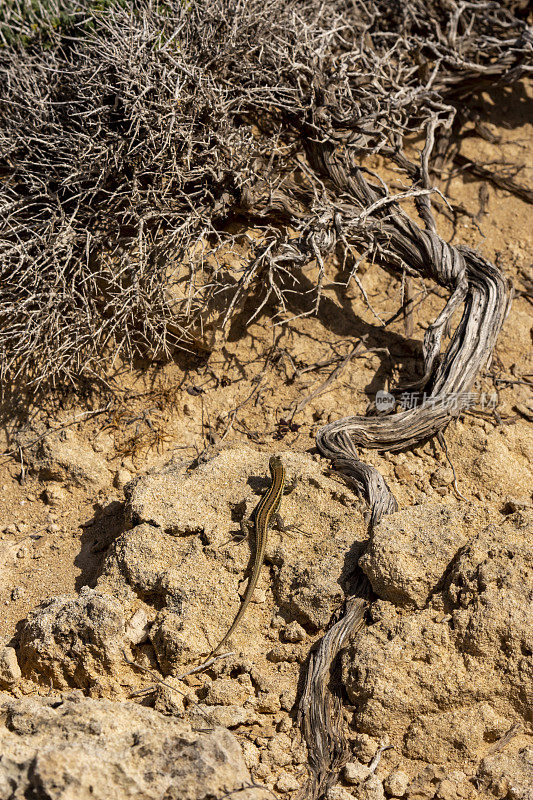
x=354, y=772
x=310, y=591
x=409, y=551
x=63, y=456
x=81, y=749
x=371, y=789
x=339, y=793
x=287, y=783
x=137, y=627
x=228, y=716
x=461, y=731
x=75, y=642
x=508, y=775
x=364, y=747
x=396, y=783
x=179, y=556
x=122, y=477
x=10, y=673
x=293, y=632
x=443, y=684
x=227, y=692
x=279, y=750
x=250, y=754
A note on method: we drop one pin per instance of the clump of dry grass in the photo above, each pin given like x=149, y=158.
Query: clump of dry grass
x=133, y=137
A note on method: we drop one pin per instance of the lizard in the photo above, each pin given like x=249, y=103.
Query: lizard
x=265, y=510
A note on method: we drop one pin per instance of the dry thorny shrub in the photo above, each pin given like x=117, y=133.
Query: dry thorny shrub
x=141, y=144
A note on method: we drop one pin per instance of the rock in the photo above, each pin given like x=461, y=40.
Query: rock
x=293, y=632
x=75, y=642
x=424, y=786
x=403, y=473
x=93, y=750
x=268, y=703
x=354, y=772
x=287, y=783
x=55, y=495
x=491, y=587
x=371, y=789
x=250, y=754
x=279, y=750
x=259, y=595
x=447, y=790
x=175, y=575
x=10, y=673
x=137, y=627
x=227, y=692
x=508, y=776
x=311, y=591
x=410, y=550
x=460, y=732
x=443, y=476
x=444, y=684
x=63, y=456
x=228, y=716
x=338, y=793
x=492, y=467
x=364, y=747
x=122, y=477
x=281, y=653
x=396, y=783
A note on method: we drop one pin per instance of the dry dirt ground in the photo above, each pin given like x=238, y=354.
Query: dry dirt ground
x=59, y=521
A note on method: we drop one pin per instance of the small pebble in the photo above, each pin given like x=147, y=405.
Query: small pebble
x=22, y=552
x=284, y=725
x=354, y=772
x=287, y=783
x=443, y=476
x=364, y=747
x=54, y=495
x=287, y=701
x=250, y=754
x=282, y=653
x=16, y=592
x=262, y=771
x=137, y=627
x=403, y=473
x=339, y=793
x=10, y=529
x=293, y=632
x=9, y=669
x=447, y=790
x=122, y=477
x=396, y=783
x=259, y=596
x=372, y=789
